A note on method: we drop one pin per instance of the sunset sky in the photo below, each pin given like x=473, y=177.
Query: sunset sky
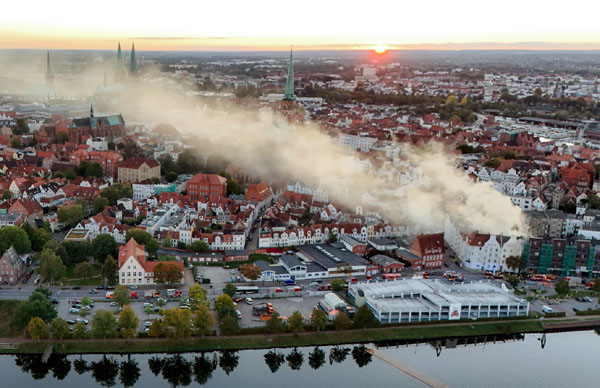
x=308, y=24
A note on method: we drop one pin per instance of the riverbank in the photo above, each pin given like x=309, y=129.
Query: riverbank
x=411, y=333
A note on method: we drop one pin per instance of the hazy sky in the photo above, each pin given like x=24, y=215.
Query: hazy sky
x=308, y=24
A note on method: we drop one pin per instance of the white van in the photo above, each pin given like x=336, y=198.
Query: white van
x=547, y=309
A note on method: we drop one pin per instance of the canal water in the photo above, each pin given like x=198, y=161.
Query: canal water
x=566, y=360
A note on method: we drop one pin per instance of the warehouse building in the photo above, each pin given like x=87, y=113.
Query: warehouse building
x=424, y=300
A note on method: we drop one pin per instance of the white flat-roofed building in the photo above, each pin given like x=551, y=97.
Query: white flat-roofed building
x=424, y=300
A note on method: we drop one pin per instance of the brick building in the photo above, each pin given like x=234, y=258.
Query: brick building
x=430, y=248
x=205, y=185
x=12, y=267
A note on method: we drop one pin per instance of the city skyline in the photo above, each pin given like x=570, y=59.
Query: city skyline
x=316, y=26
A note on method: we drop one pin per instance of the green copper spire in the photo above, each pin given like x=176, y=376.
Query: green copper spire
x=49, y=73
x=289, y=84
x=132, y=62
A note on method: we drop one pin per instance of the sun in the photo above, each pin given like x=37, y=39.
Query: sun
x=380, y=49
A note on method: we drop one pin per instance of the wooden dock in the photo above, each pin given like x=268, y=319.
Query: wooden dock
x=430, y=382
x=47, y=353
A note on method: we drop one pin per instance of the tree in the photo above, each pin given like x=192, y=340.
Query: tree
x=337, y=285
x=596, y=286
x=203, y=368
x=250, y=271
x=197, y=296
x=171, y=176
x=203, y=320
x=361, y=356
x=514, y=262
x=451, y=100
x=79, y=331
x=105, y=371
x=512, y=280
x=562, y=287
x=38, y=305
x=295, y=359
x=128, y=322
x=104, y=324
x=76, y=251
x=129, y=373
x=59, y=328
x=71, y=216
x=22, y=127
x=229, y=361
x=121, y=295
x=177, y=370
x=15, y=237
x=342, y=322
x=109, y=270
x=116, y=192
x=51, y=267
x=176, y=323
x=161, y=303
x=233, y=187
x=167, y=273
x=37, y=329
x=296, y=322
x=338, y=354
x=274, y=360
x=155, y=329
x=81, y=366
x=316, y=358
x=224, y=305
x=98, y=204
x=199, y=246
x=332, y=238
x=492, y=163
x=229, y=325
x=230, y=289
x=103, y=246
x=144, y=238
x=94, y=170
x=38, y=238
x=364, y=318
x=83, y=270
x=318, y=319
x=275, y=324
x=15, y=142
x=70, y=174
x=6, y=194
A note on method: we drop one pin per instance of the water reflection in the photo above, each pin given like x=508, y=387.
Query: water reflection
x=316, y=358
x=33, y=364
x=295, y=359
x=274, y=360
x=180, y=370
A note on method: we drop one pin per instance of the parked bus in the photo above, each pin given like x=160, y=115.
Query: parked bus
x=247, y=290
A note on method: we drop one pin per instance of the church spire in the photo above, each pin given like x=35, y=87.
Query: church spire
x=119, y=64
x=132, y=61
x=49, y=73
x=289, y=84
x=91, y=109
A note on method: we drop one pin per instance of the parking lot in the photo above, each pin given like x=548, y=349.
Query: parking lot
x=284, y=306
x=137, y=305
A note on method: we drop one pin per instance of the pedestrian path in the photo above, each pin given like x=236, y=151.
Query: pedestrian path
x=430, y=382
